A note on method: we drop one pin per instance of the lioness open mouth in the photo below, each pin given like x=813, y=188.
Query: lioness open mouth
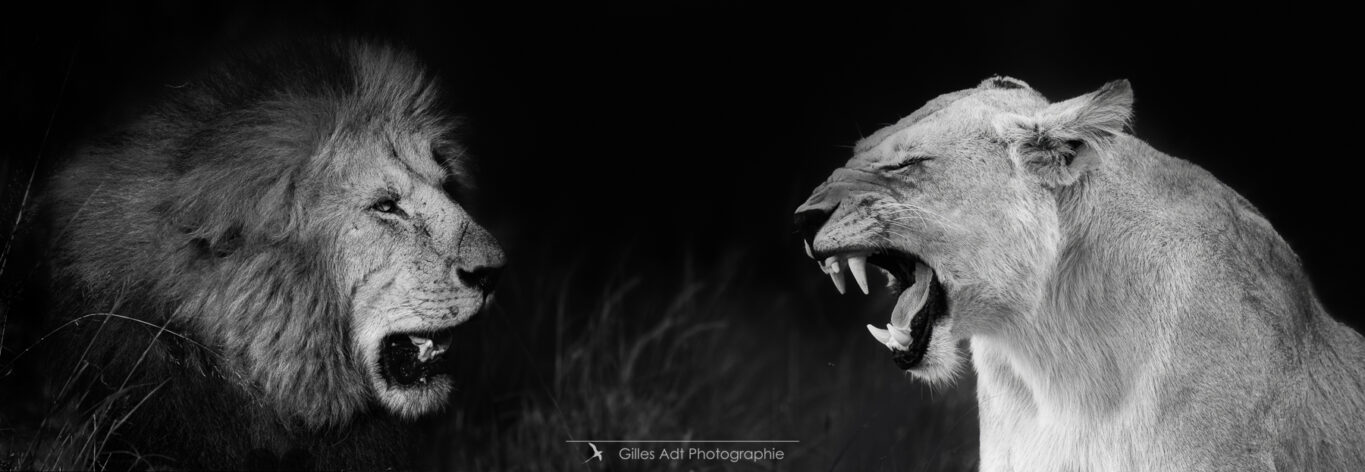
x=414, y=359
x=920, y=299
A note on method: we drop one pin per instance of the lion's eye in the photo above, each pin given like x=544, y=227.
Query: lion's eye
x=907, y=162
x=387, y=205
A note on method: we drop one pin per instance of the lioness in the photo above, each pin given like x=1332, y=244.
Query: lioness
x=1125, y=309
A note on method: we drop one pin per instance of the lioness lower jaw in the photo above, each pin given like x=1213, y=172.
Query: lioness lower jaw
x=921, y=305
x=414, y=371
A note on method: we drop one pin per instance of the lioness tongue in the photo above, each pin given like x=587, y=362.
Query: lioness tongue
x=897, y=332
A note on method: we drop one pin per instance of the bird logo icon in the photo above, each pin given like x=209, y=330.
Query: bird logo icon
x=596, y=453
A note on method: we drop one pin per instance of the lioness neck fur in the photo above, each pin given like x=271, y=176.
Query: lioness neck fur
x=1182, y=336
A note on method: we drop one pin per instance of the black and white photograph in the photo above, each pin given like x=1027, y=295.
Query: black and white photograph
x=681, y=236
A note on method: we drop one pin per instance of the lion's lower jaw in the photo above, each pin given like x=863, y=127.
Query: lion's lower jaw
x=416, y=385
x=415, y=401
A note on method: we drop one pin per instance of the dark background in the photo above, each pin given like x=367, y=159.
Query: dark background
x=678, y=137
x=706, y=125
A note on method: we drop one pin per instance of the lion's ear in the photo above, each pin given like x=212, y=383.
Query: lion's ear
x=1063, y=141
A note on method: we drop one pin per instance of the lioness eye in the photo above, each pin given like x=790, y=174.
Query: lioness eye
x=909, y=161
x=387, y=205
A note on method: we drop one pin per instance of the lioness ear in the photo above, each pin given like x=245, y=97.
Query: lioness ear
x=1063, y=141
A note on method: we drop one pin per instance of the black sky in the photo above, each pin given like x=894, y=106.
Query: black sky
x=701, y=127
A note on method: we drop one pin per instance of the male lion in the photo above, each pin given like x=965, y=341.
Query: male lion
x=265, y=268
x=1125, y=310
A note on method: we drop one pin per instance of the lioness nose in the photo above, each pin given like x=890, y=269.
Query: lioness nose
x=482, y=278
x=808, y=222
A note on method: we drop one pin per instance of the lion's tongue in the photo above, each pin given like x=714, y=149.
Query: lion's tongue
x=409, y=359
x=427, y=348
x=897, y=334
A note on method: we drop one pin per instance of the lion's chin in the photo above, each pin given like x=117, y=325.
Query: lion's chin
x=412, y=402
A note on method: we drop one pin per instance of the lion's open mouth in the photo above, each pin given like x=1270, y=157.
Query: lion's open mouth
x=920, y=299
x=414, y=359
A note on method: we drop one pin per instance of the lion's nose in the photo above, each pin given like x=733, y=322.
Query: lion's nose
x=484, y=278
x=808, y=222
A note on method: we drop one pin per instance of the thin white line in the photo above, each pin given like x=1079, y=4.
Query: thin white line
x=682, y=441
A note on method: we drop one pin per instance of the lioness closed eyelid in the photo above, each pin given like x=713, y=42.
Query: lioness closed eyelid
x=907, y=162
